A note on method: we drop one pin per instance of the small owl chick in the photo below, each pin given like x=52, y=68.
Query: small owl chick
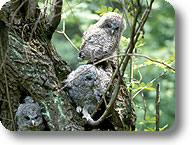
x=102, y=38
x=86, y=86
x=29, y=117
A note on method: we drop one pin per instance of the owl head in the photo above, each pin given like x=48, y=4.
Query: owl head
x=112, y=23
x=29, y=117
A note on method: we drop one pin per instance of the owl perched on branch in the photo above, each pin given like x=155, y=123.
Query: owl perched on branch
x=29, y=116
x=86, y=86
x=102, y=38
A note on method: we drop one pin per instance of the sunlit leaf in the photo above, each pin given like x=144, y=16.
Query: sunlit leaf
x=110, y=9
x=168, y=61
x=142, y=84
x=163, y=127
x=149, y=84
x=142, y=120
x=116, y=10
x=150, y=129
x=149, y=62
x=172, y=57
x=153, y=118
x=147, y=117
x=150, y=88
x=83, y=62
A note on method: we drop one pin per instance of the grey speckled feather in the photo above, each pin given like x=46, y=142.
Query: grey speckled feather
x=86, y=86
x=29, y=117
x=102, y=38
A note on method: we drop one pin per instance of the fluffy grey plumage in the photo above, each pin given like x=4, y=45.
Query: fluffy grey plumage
x=86, y=86
x=29, y=117
x=102, y=38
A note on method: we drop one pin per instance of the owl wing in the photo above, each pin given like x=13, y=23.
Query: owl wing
x=97, y=44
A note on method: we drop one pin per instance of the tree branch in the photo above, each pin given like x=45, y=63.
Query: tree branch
x=55, y=15
x=157, y=106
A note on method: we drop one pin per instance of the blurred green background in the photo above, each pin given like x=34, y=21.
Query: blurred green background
x=158, y=43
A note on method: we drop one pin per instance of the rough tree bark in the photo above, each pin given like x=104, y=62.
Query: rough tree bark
x=30, y=66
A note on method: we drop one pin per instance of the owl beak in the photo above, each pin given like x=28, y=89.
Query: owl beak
x=112, y=32
x=33, y=123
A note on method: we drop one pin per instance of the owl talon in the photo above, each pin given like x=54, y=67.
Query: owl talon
x=78, y=109
x=87, y=116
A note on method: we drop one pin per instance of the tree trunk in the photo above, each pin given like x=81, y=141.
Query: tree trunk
x=30, y=66
x=33, y=67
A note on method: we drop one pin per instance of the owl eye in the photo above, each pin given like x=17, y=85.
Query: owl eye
x=109, y=25
x=89, y=78
x=27, y=118
x=36, y=117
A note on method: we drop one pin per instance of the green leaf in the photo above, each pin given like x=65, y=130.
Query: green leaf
x=110, y=9
x=83, y=62
x=104, y=8
x=116, y=10
x=102, y=11
x=153, y=118
x=168, y=61
x=150, y=129
x=149, y=62
x=150, y=88
x=152, y=121
x=135, y=86
x=142, y=120
x=149, y=84
x=142, y=84
x=99, y=11
x=163, y=127
x=172, y=57
x=147, y=117
x=174, y=54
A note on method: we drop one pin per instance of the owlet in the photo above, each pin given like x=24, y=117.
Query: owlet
x=29, y=116
x=102, y=38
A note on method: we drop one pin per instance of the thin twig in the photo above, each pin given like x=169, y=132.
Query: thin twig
x=8, y=99
x=140, y=55
x=162, y=74
x=3, y=100
x=145, y=109
x=15, y=12
x=6, y=119
x=65, y=35
x=125, y=11
x=74, y=16
x=157, y=105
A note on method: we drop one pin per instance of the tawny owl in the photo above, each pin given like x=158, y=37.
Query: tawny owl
x=86, y=86
x=102, y=39
x=29, y=117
